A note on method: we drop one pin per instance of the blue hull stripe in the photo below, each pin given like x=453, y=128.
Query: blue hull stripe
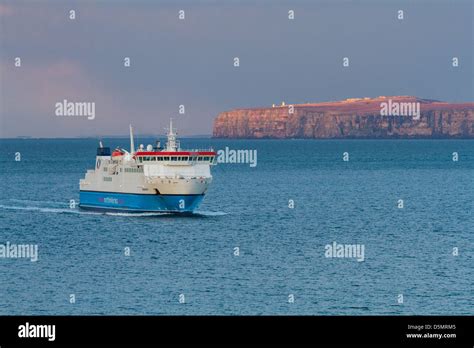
x=139, y=202
x=140, y=194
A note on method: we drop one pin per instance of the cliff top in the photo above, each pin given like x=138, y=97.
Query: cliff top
x=368, y=104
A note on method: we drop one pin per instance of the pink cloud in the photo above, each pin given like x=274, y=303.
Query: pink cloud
x=5, y=10
x=32, y=91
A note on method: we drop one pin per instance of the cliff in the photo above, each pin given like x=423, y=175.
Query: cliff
x=351, y=118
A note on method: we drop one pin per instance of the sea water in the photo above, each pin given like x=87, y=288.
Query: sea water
x=259, y=242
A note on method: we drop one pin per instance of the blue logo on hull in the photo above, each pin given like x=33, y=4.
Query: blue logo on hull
x=139, y=202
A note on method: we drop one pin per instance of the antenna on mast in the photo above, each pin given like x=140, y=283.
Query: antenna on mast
x=172, y=144
x=132, y=145
x=170, y=129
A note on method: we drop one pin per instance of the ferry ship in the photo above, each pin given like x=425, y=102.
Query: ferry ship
x=151, y=179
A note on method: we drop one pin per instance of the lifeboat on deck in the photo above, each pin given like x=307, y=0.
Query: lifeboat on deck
x=117, y=153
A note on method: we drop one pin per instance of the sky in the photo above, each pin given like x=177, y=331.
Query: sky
x=190, y=62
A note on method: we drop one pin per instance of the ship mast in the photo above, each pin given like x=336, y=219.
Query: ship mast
x=132, y=145
x=172, y=144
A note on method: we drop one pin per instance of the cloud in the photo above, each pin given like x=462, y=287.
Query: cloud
x=5, y=10
x=29, y=95
x=30, y=92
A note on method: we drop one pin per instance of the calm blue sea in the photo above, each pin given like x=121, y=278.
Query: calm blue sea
x=408, y=251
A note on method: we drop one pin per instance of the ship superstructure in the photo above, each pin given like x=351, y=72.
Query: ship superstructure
x=151, y=179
